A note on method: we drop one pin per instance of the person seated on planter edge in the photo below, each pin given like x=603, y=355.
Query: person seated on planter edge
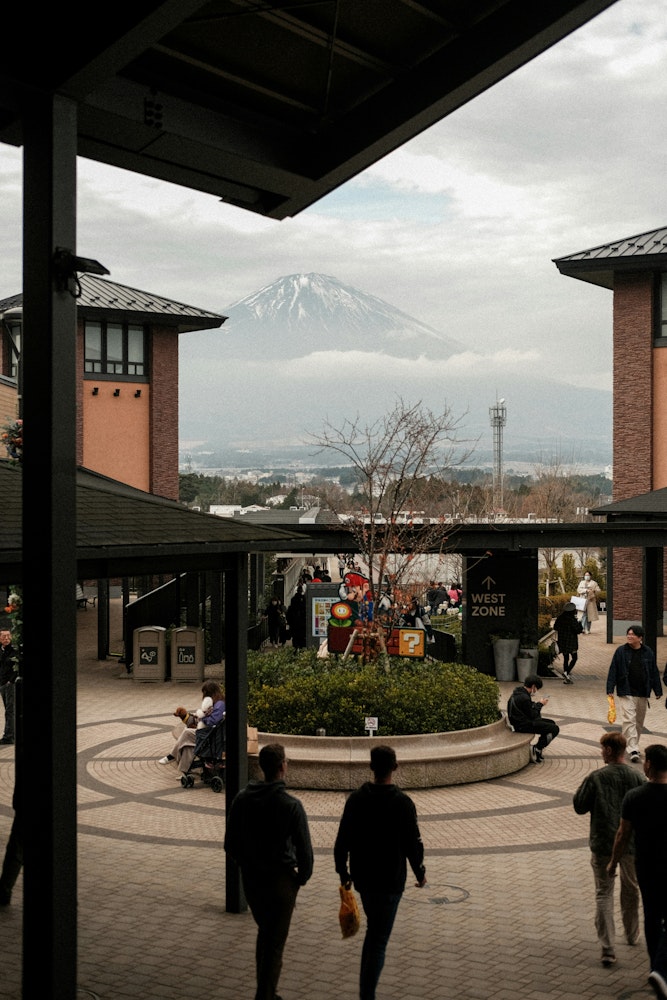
x=525, y=715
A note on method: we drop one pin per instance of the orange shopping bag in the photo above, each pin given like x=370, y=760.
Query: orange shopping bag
x=348, y=914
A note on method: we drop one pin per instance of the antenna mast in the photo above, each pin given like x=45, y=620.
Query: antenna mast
x=498, y=415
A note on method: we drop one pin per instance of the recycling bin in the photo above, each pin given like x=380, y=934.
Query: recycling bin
x=149, y=653
x=187, y=654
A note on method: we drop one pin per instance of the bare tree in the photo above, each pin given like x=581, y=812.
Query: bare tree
x=399, y=459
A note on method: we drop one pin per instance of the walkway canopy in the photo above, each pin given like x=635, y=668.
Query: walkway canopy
x=267, y=106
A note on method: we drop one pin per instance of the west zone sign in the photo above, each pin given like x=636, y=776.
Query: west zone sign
x=500, y=593
x=488, y=601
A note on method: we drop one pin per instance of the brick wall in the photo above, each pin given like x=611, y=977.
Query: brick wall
x=633, y=428
x=164, y=412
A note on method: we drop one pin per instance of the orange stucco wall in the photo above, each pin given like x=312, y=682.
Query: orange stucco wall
x=8, y=403
x=117, y=438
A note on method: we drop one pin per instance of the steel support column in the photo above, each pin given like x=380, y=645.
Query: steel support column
x=49, y=551
x=236, y=692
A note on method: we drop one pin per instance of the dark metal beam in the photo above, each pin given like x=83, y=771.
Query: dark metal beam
x=49, y=551
x=236, y=692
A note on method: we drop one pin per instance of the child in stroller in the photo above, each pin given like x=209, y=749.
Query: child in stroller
x=209, y=750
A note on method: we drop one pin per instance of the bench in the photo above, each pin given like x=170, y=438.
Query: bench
x=81, y=600
x=432, y=760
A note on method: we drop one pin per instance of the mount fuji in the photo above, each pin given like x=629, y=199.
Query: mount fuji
x=308, y=349
x=306, y=312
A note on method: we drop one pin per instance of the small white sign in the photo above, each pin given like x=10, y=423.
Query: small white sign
x=371, y=723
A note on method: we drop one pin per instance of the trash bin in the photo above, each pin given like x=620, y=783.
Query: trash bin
x=187, y=654
x=149, y=653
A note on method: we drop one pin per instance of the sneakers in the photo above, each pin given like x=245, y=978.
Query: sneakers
x=567, y=678
x=659, y=984
x=608, y=960
x=634, y=757
x=536, y=755
x=165, y=760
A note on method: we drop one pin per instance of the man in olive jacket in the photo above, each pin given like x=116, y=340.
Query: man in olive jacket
x=601, y=794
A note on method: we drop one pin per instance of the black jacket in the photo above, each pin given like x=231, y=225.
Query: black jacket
x=7, y=664
x=569, y=628
x=267, y=831
x=378, y=831
x=522, y=711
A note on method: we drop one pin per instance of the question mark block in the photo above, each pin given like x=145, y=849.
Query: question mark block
x=410, y=642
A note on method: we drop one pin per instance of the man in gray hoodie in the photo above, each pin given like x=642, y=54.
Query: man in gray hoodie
x=267, y=836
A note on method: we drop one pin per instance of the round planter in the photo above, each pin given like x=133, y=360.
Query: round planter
x=504, y=657
x=526, y=663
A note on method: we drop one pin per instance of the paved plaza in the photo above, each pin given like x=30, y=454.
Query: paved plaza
x=507, y=913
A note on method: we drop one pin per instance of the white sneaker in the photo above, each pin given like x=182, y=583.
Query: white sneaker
x=165, y=760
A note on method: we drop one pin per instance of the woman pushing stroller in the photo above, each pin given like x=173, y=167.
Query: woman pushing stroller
x=210, y=713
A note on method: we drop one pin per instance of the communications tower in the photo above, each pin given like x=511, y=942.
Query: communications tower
x=498, y=414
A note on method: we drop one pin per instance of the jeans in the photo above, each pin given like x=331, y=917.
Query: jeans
x=604, y=901
x=271, y=898
x=380, y=909
x=7, y=693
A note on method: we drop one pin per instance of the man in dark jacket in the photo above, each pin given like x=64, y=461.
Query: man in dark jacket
x=7, y=680
x=268, y=837
x=644, y=815
x=633, y=673
x=525, y=715
x=378, y=831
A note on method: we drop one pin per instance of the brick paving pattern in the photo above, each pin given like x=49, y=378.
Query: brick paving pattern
x=507, y=913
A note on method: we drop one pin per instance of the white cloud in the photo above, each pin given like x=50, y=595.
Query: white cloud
x=457, y=228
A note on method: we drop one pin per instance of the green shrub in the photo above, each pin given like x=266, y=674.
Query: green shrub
x=300, y=694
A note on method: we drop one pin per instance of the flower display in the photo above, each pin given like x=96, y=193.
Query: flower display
x=12, y=438
x=14, y=608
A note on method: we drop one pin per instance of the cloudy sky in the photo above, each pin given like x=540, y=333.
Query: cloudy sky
x=458, y=228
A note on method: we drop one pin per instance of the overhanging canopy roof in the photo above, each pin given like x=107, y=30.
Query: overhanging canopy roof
x=642, y=252
x=101, y=299
x=122, y=531
x=268, y=105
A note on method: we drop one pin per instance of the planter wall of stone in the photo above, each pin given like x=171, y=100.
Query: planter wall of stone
x=433, y=760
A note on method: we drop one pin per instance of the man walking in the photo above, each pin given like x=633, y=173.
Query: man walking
x=644, y=813
x=634, y=674
x=378, y=831
x=601, y=794
x=525, y=716
x=268, y=837
x=8, y=676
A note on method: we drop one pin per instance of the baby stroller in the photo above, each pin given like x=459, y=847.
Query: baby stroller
x=209, y=758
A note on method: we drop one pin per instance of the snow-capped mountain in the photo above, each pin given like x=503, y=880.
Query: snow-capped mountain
x=308, y=349
x=301, y=313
